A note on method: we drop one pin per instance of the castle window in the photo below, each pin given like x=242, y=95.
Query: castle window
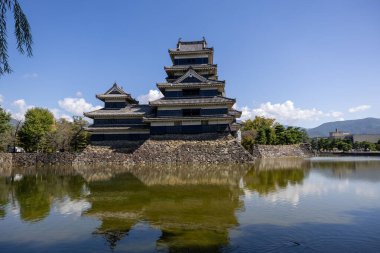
x=190, y=92
x=190, y=61
x=191, y=112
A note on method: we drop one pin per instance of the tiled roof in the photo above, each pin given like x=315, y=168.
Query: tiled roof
x=140, y=126
x=114, y=96
x=191, y=45
x=193, y=101
x=130, y=110
x=235, y=113
x=208, y=50
x=116, y=92
x=120, y=128
x=192, y=85
x=208, y=117
x=197, y=66
x=106, y=127
x=115, y=89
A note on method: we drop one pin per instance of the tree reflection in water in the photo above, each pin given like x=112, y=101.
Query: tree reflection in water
x=35, y=193
x=270, y=175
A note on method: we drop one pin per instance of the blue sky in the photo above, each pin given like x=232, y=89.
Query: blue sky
x=303, y=62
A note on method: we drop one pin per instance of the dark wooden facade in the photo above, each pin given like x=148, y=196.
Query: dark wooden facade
x=194, y=102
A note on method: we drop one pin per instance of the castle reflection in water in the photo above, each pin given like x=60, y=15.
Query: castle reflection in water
x=193, y=206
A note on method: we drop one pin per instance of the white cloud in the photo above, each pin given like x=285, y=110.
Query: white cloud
x=293, y=193
x=1, y=99
x=335, y=114
x=359, y=108
x=72, y=207
x=30, y=76
x=77, y=106
x=151, y=96
x=287, y=113
x=59, y=115
x=78, y=94
x=21, y=107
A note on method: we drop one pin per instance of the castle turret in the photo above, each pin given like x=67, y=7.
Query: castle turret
x=120, y=119
x=194, y=98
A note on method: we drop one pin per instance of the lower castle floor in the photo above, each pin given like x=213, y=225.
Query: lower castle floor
x=161, y=130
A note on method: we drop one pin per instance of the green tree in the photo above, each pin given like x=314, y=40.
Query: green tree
x=280, y=134
x=294, y=135
x=261, y=137
x=248, y=139
x=80, y=138
x=21, y=30
x=314, y=144
x=68, y=136
x=323, y=144
x=5, y=119
x=368, y=146
x=258, y=123
x=61, y=136
x=344, y=146
x=38, y=123
x=5, y=128
x=270, y=136
x=271, y=133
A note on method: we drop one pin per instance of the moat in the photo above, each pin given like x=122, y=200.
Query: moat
x=276, y=205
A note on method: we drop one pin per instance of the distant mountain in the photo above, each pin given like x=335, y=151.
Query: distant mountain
x=14, y=122
x=357, y=126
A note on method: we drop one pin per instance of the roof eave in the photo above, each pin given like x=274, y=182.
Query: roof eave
x=158, y=119
x=194, y=104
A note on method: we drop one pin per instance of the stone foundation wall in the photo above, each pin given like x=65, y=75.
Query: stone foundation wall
x=32, y=159
x=166, y=149
x=274, y=151
x=5, y=161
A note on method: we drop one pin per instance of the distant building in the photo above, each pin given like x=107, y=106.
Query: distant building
x=373, y=138
x=194, y=102
x=340, y=135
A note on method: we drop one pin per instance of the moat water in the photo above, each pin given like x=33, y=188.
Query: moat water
x=278, y=205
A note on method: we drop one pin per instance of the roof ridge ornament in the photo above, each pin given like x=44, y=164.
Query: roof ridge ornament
x=204, y=42
x=115, y=87
x=191, y=73
x=179, y=43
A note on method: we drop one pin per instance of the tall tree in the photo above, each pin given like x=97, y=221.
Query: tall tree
x=61, y=136
x=21, y=29
x=270, y=136
x=258, y=123
x=5, y=128
x=38, y=123
x=81, y=138
x=5, y=119
x=69, y=136
x=261, y=137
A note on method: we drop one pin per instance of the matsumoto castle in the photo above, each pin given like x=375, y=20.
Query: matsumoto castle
x=194, y=102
